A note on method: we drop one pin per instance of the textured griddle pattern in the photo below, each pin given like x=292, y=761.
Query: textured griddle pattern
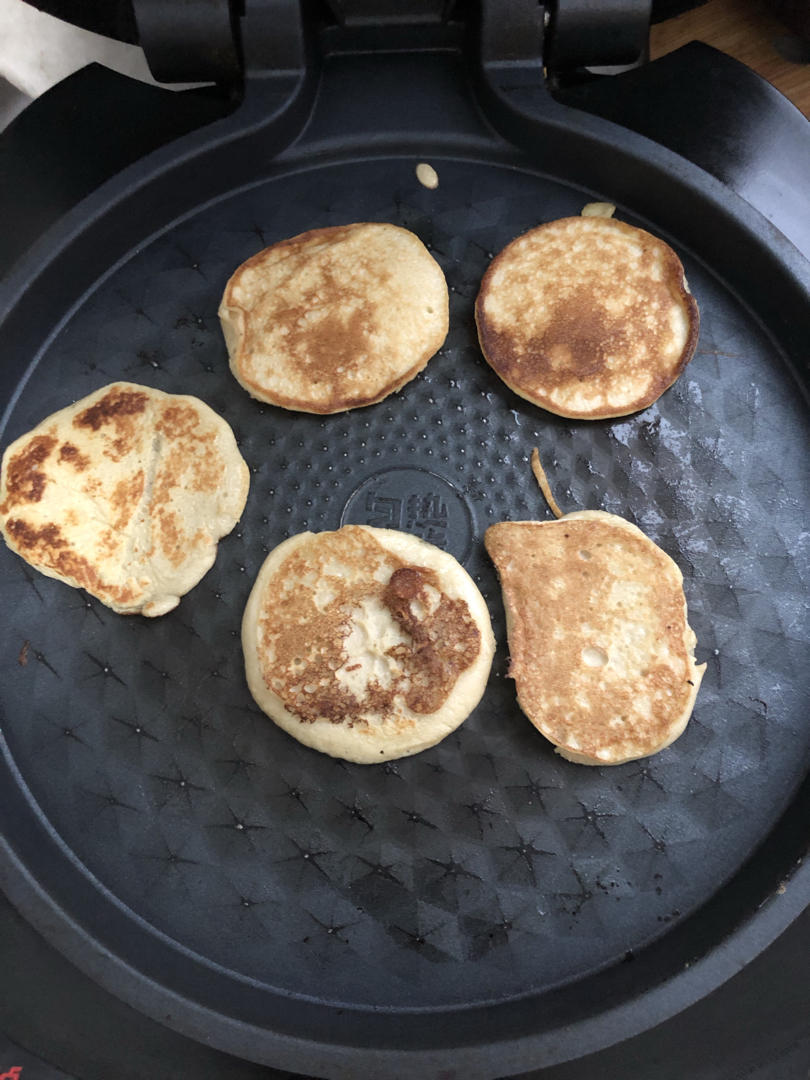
x=485, y=867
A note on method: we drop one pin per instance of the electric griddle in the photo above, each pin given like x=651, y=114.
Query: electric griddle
x=484, y=908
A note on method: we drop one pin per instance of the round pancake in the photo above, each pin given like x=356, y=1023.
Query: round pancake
x=124, y=494
x=601, y=651
x=334, y=318
x=587, y=317
x=367, y=644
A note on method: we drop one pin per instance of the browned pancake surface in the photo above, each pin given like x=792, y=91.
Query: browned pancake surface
x=335, y=318
x=301, y=633
x=587, y=317
x=601, y=650
x=124, y=494
x=365, y=643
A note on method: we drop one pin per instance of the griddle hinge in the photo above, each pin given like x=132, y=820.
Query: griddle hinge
x=194, y=41
x=524, y=41
x=511, y=41
x=583, y=35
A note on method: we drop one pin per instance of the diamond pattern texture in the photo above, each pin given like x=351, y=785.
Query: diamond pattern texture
x=485, y=867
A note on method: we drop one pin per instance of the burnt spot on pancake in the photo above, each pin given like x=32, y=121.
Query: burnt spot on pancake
x=444, y=640
x=113, y=408
x=308, y=636
x=72, y=455
x=30, y=539
x=25, y=479
x=46, y=546
x=118, y=417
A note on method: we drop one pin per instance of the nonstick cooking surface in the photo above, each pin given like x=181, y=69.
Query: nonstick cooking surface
x=485, y=868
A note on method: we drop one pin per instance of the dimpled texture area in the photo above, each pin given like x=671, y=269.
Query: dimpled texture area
x=485, y=867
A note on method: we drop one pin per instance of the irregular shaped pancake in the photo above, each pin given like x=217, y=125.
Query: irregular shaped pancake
x=334, y=318
x=367, y=644
x=124, y=494
x=601, y=651
x=587, y=317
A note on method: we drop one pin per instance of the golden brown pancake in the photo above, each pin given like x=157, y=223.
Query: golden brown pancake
x=124, y=494
x=587, y=317
x=334, y=318
x=601, y=651
x=367, y=644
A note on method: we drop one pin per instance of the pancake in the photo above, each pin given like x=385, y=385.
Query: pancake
x=334, y=318
x=601, y=651
x=587, y=317
x=366, y=644
x=124, y=494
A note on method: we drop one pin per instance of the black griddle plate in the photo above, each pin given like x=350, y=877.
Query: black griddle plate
x=484, y=905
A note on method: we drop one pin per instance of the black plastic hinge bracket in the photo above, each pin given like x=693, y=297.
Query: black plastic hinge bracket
x=189, y=41
x=583, y=35
x=274, y=39
x=511, y=41
x=223, y=41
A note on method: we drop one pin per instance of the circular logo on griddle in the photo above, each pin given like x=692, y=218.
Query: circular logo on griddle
x=415, y=501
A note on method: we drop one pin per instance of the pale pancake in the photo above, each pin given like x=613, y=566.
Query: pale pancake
x=367, y=644
x=124, y=494
x=587, y=317
x=601, y=651
x=334, y=318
